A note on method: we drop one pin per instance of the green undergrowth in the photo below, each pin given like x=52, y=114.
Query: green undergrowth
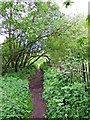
x=15, y=98
x=21, y=72
x=66, y=99
x=15, y=101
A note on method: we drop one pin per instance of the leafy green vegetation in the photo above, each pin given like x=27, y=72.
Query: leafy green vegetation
x=22, y=73
x=38, y=62
x=40, y=33
x=66, y=99
x=15, y=101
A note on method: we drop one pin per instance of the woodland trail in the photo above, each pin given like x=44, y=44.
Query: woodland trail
x=36, y=89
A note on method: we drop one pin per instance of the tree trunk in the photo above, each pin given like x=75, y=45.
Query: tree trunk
x=16, y=62
x=10, y=37
x=83, y=69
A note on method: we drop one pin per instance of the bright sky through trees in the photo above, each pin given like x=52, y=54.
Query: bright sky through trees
x=79, y=6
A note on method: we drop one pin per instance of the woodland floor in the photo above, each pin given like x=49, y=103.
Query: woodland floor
x=36, y=89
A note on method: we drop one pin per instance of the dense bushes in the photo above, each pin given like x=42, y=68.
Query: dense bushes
x=44, y=66
x=65, y=99
x=15, y=102
x=21, y=72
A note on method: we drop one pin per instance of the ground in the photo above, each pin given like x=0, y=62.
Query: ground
x=36, y=89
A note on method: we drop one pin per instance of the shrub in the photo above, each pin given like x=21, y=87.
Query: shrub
x=44, y=66
x=15, y=102
x=65, y=99
x=21, y=72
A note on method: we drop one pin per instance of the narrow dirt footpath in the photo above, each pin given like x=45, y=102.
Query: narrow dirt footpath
x=36, y=89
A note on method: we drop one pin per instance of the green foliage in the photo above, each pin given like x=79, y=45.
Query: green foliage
x=25, y=24
x=41, y=22
x=65, y=99
x=71, y=38
x=44, y=66
x=38, y=62
x=15, y=101
x=21, y=72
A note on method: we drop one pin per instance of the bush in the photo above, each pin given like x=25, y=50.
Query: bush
x=44, y=66
x=22, y=72
x=15, y=102
x=65, y=99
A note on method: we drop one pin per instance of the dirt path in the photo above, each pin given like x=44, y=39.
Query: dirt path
x=36, y=89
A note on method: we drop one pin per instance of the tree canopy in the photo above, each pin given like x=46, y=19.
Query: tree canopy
x=35, y=29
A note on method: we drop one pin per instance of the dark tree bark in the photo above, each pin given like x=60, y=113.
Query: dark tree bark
x=37, y=59
x=16, y=62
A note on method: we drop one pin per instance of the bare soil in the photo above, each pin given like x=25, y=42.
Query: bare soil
x=36, y=89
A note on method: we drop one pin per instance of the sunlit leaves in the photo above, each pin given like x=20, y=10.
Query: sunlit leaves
x=25, y=23
x=67, y=39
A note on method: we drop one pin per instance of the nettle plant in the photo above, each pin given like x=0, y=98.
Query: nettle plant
x=65, y=99
x=15, y=102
